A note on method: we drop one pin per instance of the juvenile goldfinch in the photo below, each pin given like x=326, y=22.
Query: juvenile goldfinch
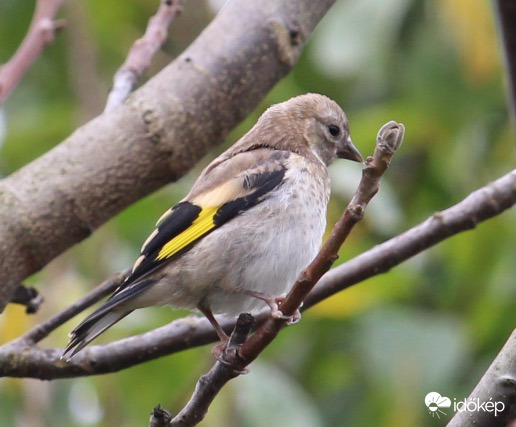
x=253, y=220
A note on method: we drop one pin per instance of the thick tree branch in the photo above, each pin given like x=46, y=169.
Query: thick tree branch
x=141, y=53
x=154, y=138
x=41, y=33
x=498, y=385
x=20, y=358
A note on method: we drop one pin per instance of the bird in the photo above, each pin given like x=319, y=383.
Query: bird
x=252, y=221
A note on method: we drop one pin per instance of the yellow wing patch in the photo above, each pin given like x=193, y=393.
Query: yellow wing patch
x=202, y=224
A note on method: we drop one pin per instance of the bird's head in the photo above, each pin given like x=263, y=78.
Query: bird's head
x=312, y=122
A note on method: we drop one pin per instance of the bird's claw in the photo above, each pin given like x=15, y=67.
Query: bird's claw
x=219, y=352
x=276, y=313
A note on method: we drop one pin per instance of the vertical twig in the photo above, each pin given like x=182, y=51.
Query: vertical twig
x=389, y=139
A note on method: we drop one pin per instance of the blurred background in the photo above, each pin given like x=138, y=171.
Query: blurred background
x=367, y=356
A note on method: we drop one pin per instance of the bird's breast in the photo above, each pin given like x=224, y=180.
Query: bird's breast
x=273, y=242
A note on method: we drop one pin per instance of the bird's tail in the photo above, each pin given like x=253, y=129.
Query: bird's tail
x=90, y=328
x=113, y=310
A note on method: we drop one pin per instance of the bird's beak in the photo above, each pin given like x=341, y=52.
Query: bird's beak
x=349, y=151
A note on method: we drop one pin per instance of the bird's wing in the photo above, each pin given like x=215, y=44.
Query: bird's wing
x=206, y=208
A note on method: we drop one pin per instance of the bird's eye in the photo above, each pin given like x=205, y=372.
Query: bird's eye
x=334, y=130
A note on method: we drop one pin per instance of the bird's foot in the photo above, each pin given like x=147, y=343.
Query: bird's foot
x=219, y=349
x=274, y=304
x=219, y=352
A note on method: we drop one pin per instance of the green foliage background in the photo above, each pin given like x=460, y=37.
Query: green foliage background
x=367, y=356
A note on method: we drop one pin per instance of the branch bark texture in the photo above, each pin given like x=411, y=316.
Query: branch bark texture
x=222, y=371
x=154, y=138
x=498, y=385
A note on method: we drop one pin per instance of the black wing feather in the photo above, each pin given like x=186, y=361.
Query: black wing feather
x=185, y=213
x=182, y=216
x=263, y=182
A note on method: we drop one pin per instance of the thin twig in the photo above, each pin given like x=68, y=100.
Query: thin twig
x=105, y=288
x=41, y=33
x=19, y=359
x=141, y=53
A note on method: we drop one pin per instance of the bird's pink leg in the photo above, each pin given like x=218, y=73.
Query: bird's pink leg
x=274, y=303
x=218, y=350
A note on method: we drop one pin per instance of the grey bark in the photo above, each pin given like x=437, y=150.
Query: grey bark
x=495, y=394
